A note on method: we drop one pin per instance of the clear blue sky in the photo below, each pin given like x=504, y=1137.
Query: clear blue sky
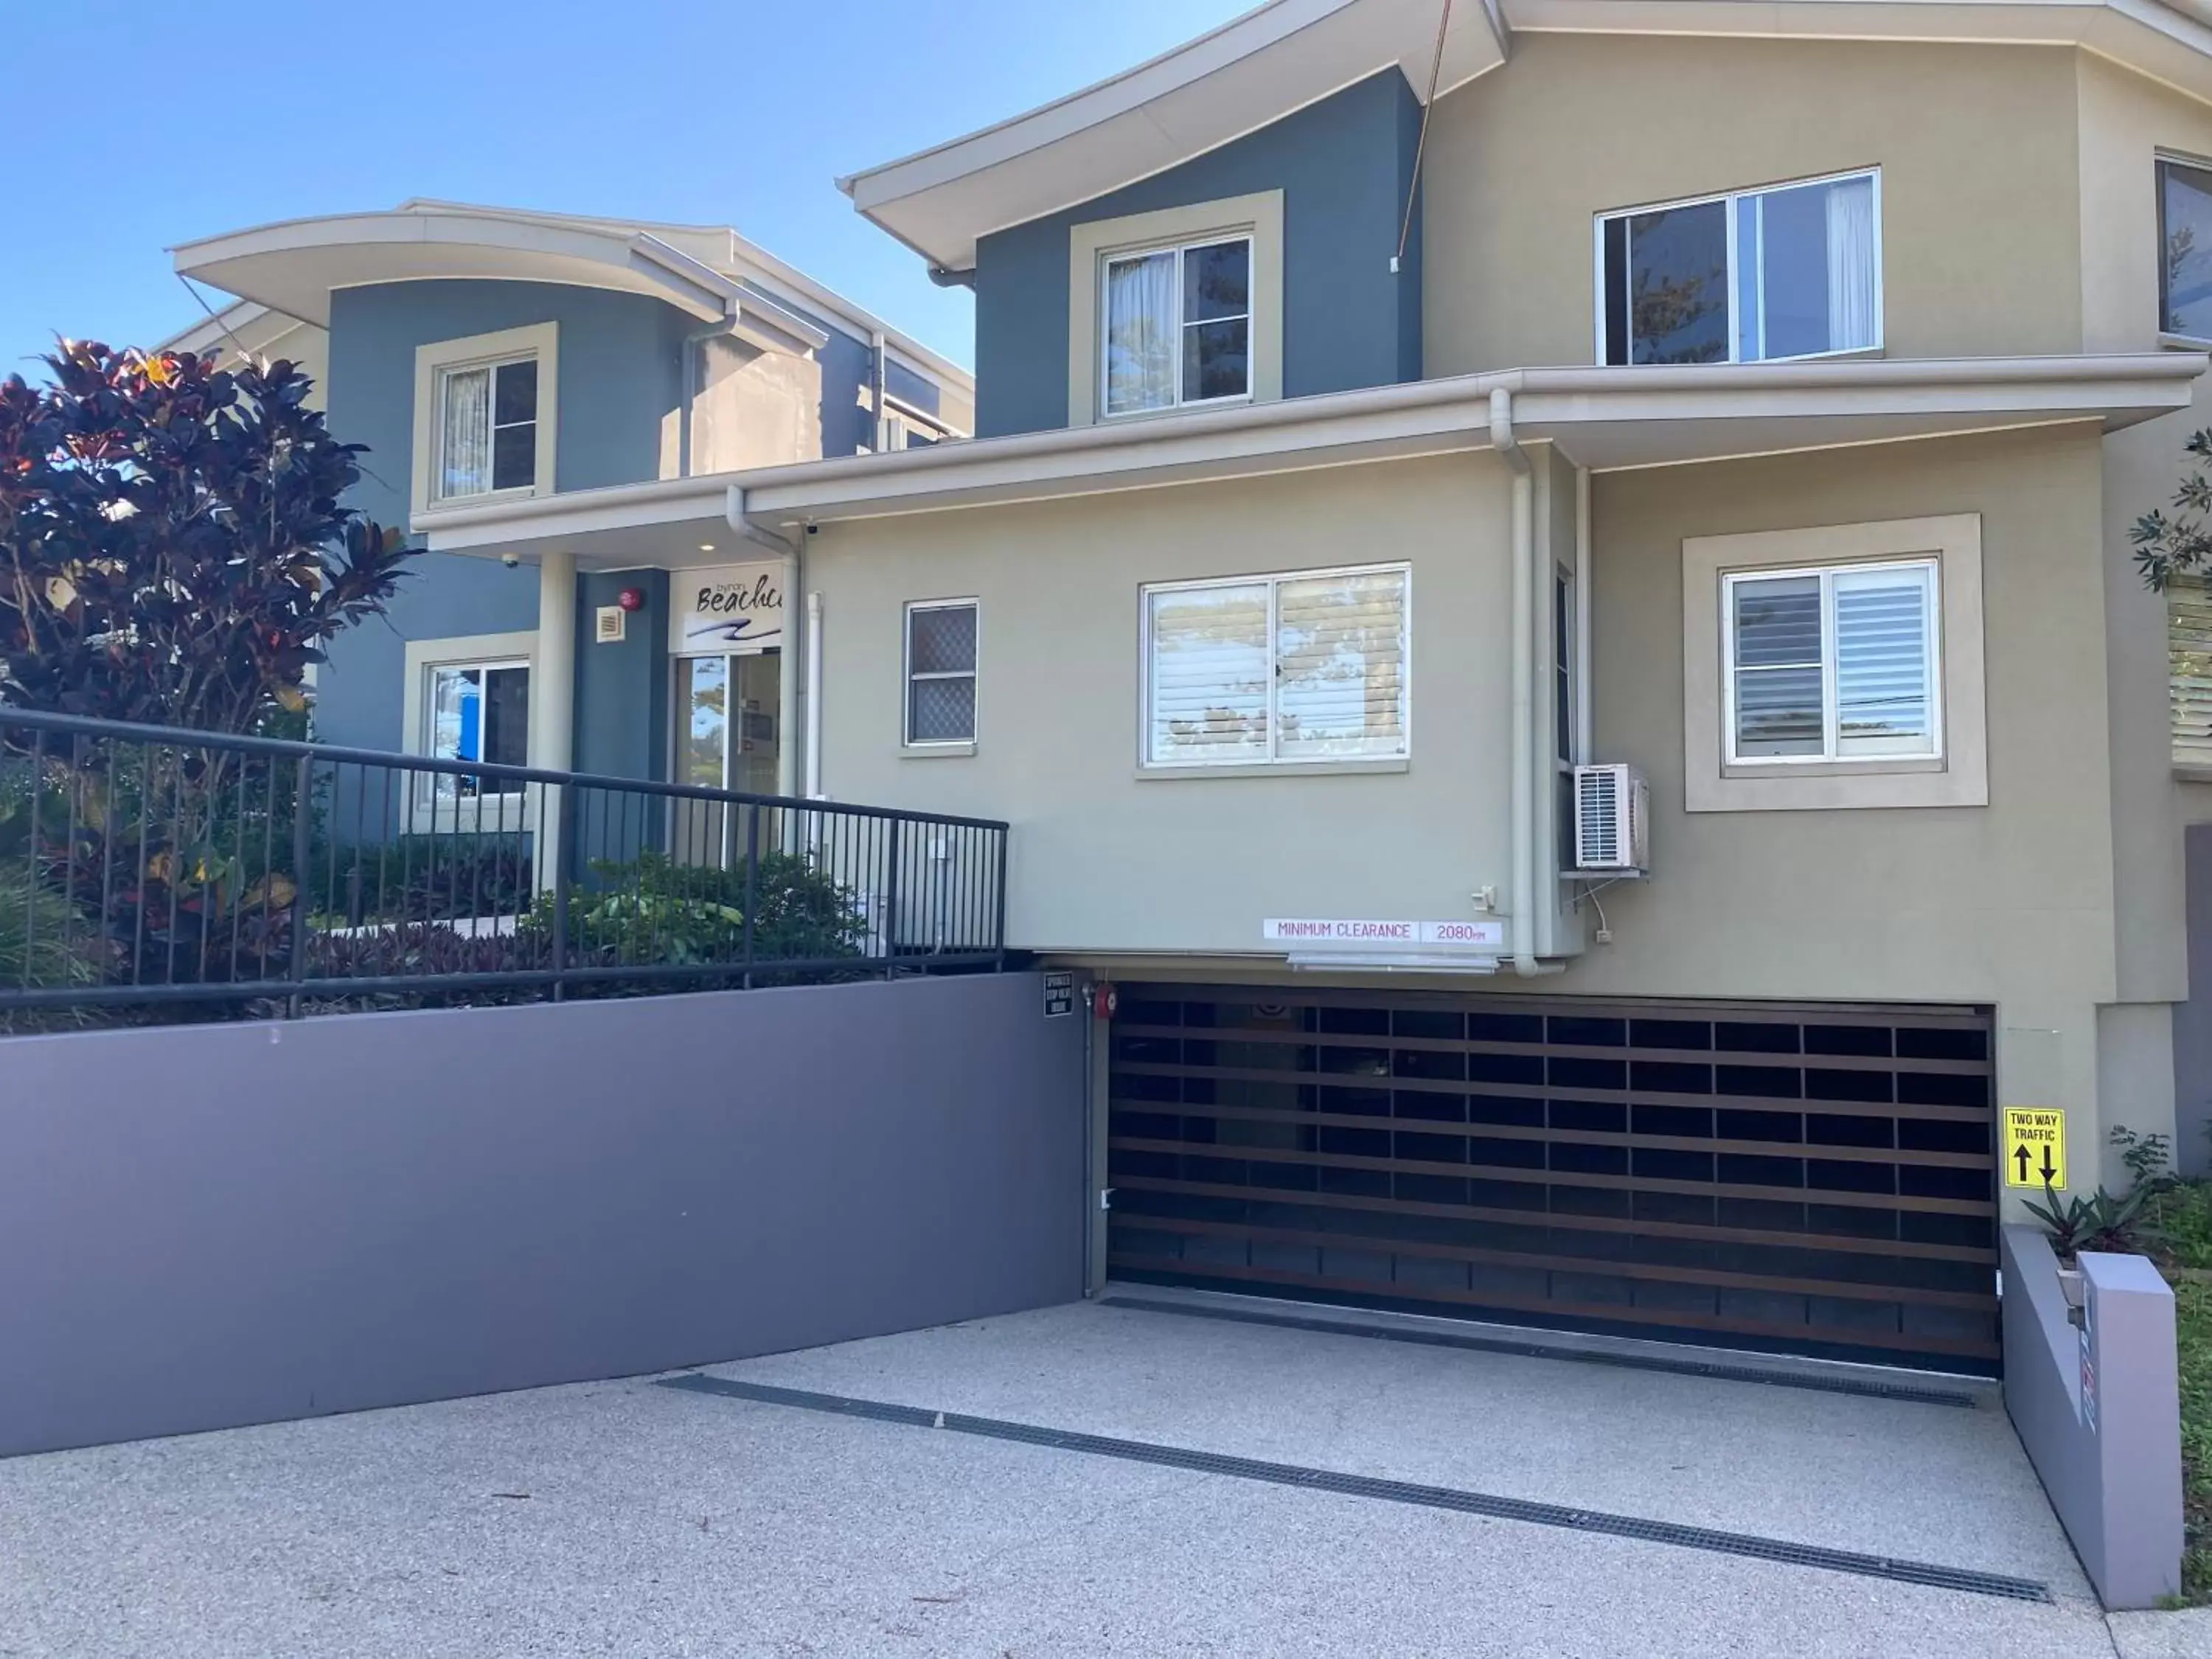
x=146, y=122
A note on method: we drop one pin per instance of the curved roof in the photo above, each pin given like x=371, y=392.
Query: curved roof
x=1287, y=54
x=293, y=266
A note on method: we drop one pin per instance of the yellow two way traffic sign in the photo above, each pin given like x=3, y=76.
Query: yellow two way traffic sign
x=2034, y=1146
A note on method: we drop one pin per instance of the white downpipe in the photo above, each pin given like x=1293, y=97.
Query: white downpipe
x=553, y=696
x=1582, y=720
x=814, y=696
x=1524, y=623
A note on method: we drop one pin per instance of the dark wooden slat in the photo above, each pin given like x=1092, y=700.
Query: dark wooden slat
x=1298, y=1199
x=1716, y=1277
x=1793, y=1059
x=1799, y=1149
x=1906, y=1015
x=1616, y=1313
x=1555, y=1177
x=1422, y=1085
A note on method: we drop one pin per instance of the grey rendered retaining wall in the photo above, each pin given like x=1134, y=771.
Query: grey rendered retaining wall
x=2098, y=1409
x=207, y=1226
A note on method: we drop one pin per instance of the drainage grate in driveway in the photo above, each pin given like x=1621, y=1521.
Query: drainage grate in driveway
x=1394, y=1491
x=1865, y=1387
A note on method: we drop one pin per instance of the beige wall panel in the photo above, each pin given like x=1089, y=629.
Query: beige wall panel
x=2126, y=121
x=1104, y=859
x=1949, y=904
x=1976, y=144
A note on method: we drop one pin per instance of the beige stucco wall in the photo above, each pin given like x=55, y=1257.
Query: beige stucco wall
x=1975, y=144
x=1104, y=860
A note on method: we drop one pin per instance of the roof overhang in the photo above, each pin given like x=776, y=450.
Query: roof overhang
x=1607, y=419
x=1285, y=55
x=1244, y=75
x=295, y=265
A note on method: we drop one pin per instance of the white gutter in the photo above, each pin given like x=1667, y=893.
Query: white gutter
x=1522, y=621
x=1729, y=409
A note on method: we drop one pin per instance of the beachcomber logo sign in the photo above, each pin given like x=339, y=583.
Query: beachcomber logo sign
x=1430, y=935
x=735, y=609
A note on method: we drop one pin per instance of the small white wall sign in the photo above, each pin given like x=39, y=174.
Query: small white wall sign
x=729, y=610
x=1368, y=935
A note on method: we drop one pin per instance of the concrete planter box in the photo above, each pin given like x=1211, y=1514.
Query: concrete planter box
x=2091, y=1382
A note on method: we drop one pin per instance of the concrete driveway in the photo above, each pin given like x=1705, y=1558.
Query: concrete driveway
x=1092, y=1480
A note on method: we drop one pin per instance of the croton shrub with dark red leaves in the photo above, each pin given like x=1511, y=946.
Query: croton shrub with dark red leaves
x=173, y=544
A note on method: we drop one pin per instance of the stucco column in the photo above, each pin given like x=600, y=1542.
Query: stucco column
x=553, y=694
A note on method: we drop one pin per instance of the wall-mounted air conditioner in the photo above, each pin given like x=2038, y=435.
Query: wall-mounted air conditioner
x=1613, y=820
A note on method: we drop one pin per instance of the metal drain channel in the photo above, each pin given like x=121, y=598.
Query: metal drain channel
x=1863, y=1386
x=1393, y=1492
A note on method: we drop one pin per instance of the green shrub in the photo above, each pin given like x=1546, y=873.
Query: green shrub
x=44, y=943
x=656, y=911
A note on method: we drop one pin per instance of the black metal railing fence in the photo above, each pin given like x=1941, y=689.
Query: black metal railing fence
x=144, y=868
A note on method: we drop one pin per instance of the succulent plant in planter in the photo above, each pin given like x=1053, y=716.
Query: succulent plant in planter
x=2099, y=1222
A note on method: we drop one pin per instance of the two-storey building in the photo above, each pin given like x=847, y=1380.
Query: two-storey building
x=1378, y=426
x=489, y=356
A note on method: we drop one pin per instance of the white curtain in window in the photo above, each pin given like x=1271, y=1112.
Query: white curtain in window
x=464, y=433
x=1340, y=665
x=1208, y=675
x=1885, y=662
x=1143, y=333
x=1851, y=273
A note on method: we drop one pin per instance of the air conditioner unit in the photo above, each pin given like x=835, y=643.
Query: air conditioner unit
x=1613, y=820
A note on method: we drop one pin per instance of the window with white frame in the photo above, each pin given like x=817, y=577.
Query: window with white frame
x=940, y=673
x=1176, y=326
x=1748, y=276
x=475, y=711
x=1834, y=663
x=2184, y=239
x=486, y=437
x=1305, y=666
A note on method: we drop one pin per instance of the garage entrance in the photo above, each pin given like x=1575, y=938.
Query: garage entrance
x=1809, y=1178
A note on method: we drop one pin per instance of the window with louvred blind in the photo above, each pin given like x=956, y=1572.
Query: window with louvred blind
x=1832, y=664
x=1299, y=667
x=2188, y=641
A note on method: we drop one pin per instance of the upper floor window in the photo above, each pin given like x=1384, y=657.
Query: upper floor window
x=484, y=408
x=2184, y=236
x=1262, y=669
x=1177, y=326
x=1793, y=271
x=487, y=428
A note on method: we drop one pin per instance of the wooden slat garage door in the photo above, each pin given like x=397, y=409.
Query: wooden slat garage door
x=1818, y=1179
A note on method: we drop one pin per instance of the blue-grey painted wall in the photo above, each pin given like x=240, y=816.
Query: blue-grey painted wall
x=1344, y=165
x=621, y=372
x=622, y=689
x=385, y=1208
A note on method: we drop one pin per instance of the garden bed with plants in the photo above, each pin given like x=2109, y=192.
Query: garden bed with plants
x=2176, y=1234
x=2170, y=1221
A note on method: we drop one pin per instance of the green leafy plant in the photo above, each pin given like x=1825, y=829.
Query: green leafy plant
x=2149, y=1157
x=656, y=911
x=2099, y=1222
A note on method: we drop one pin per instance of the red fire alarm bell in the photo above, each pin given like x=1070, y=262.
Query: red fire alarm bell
x=631, y=598
x=1104, y=1000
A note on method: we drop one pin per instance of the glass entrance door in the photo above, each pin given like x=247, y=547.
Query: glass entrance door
x=729, y=736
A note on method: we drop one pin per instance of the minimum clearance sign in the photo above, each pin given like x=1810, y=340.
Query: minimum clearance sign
x=1431, y=935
